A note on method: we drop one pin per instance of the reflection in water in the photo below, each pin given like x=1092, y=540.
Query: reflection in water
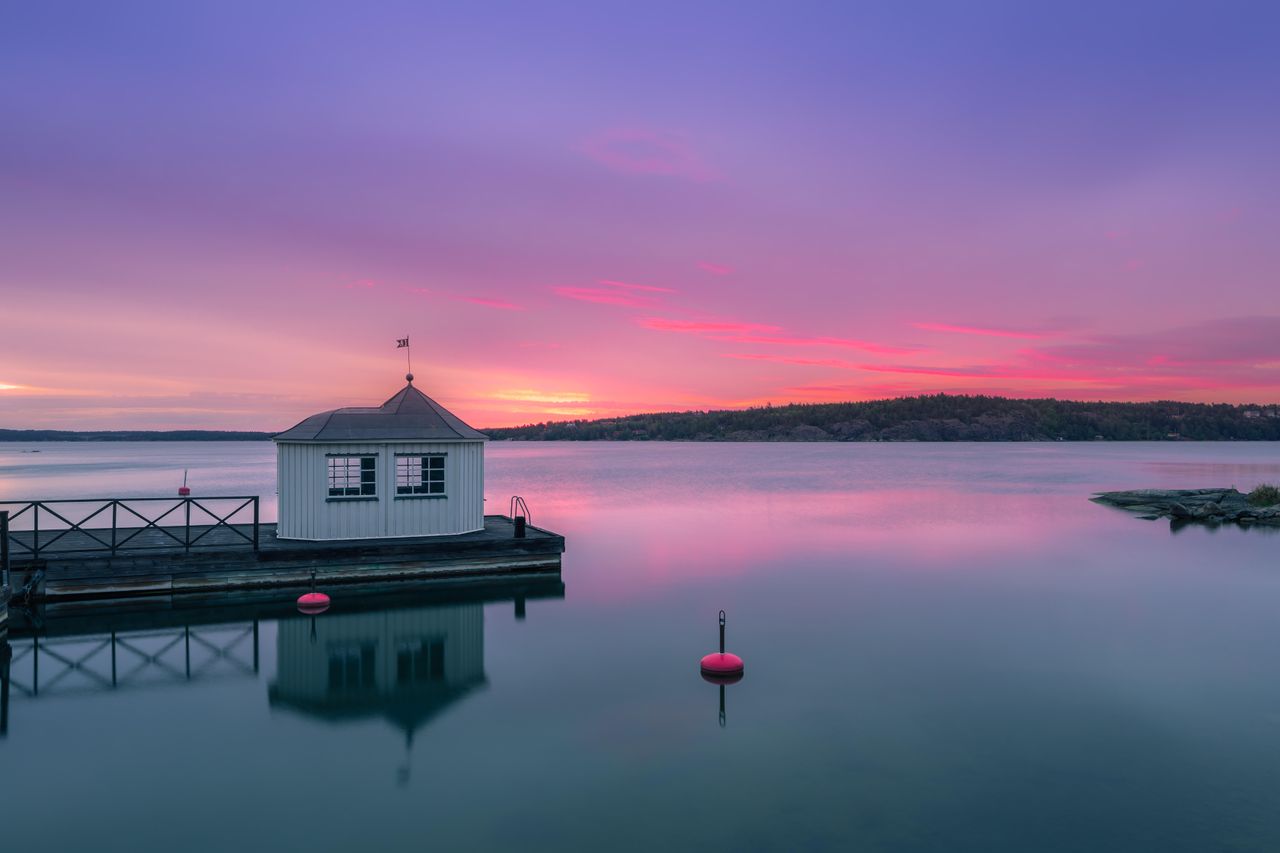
x=6, y=654
x=405, y=664
x=402, y=665
x=93, y=660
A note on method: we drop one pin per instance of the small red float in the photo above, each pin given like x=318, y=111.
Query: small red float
x=312, y=603
x=717, y=666
x=183, y=491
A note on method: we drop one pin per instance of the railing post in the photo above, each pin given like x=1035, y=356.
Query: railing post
x=4, y=548
x=255, y=540
x=187, y=505
x=35, y=530
x=114, y=506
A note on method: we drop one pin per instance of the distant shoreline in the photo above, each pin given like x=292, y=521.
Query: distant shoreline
x=37, y=435
x=935, y=417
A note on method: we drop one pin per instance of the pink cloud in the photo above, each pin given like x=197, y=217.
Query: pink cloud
x=490, y=303
x=474, y=300
x=628, y=286
x=604, y=297
x=699, y=327
x=360, y=284
x=844, y=343
x=786, y=359
x=1215, y=356
x=1241, y=341
x=714, y=269
x=979, y=330
x=986, y=371
x=647, y=152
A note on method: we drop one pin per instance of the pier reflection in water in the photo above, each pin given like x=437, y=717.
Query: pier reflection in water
x=403, y=657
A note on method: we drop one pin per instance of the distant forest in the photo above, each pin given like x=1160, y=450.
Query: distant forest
x=937, y=417
x=131, y=435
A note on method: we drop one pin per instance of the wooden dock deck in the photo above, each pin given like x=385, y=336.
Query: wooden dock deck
x=160, y=562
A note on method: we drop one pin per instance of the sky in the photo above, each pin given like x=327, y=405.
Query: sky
x=223, y=215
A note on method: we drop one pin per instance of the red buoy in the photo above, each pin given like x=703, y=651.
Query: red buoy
x=722, y=668
x=312, y=603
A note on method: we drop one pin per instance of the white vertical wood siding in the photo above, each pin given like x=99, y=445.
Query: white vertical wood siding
x=306, y=513
x=302, y=660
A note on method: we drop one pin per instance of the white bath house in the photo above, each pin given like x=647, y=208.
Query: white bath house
x=406, y=468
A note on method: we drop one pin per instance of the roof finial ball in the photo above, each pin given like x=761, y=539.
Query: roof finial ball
x=409, y=378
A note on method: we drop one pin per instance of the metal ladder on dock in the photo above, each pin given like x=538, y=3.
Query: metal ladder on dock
x=517, y=505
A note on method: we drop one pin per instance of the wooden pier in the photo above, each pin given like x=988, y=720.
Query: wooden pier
x=151, y=558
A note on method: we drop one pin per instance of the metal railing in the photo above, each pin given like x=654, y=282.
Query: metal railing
x=112, y=525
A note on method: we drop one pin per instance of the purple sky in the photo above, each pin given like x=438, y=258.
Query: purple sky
x=224, y=215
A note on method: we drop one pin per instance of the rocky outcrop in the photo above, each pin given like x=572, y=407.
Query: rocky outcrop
x=1206, y=506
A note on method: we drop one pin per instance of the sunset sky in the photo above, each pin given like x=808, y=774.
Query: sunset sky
x=223, y=215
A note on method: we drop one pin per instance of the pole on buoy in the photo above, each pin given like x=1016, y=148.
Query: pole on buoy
x=722, y=663
x=722, y=668
x=183, y=491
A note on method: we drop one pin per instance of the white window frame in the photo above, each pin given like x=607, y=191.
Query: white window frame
x=421, y=475
x=348, y=470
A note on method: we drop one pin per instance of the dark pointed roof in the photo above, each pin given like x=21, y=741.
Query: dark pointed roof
x=408, y=416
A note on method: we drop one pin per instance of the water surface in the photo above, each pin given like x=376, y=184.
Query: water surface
x=948, y=649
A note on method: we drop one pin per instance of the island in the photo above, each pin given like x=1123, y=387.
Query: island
x=1207, y=506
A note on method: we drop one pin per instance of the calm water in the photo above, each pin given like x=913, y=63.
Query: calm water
x=948, y=649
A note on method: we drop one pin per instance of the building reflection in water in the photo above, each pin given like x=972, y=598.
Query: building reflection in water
x=405, y=666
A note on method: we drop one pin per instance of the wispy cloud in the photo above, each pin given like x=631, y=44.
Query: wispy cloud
x=842, y=343
x=1235, y=353
x=701, y=327
x=647, y=152
x=985, y=331
x=629, y=286
x=761, y=333
x=531, y=395
x=714, y=269
x=605, y=296
x=787, y=359
x=487, y=302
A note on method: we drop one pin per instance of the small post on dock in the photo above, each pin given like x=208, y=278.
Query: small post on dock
x=4, y=553
x=4, y=597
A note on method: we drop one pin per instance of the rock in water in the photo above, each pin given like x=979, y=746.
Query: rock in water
x=1207, y=506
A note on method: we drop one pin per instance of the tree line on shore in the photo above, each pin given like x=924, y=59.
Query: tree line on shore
x=934, y=417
